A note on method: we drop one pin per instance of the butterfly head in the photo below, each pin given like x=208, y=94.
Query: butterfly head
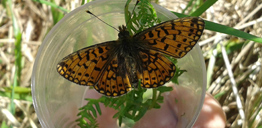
x=123, y=32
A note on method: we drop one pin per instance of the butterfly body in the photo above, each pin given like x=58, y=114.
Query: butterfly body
x=127, y=54
x=112, y=67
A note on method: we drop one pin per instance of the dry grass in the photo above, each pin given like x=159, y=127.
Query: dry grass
x=237, y=85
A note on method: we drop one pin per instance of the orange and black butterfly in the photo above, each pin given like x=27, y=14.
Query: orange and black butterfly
x=112, y=67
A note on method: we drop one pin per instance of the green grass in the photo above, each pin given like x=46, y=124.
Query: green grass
x=18, y=55
x=14, y=92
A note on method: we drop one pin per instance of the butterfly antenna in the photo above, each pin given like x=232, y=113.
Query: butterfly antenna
x=132, y=12
x=87, y=11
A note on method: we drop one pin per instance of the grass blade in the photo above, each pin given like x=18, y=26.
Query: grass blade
x=203, y=8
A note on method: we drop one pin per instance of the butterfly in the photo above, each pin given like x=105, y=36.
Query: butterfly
x=112, y=67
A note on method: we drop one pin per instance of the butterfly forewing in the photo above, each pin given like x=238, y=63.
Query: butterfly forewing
x=174, y=38
x=85, y=66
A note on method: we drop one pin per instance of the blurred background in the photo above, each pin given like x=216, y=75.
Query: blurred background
x=234, y=75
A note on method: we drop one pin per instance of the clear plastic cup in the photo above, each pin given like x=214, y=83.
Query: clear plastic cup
x=57, y=100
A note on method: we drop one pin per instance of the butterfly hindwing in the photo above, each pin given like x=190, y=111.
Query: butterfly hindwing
x=85, y=66
x=175, y=37
x=156, y=69
x=111, y=82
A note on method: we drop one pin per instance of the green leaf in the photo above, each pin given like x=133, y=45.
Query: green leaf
x=144, y=17
x=98, y=108
x=203, y=7
x=53, y=5
x=26, y=97
x=120, y=118
x=140, y=114
x=188, y=5
x=157, y=106
x=4, y=125
x=163, y=89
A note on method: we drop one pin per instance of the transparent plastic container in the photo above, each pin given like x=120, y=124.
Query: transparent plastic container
x=57, y=100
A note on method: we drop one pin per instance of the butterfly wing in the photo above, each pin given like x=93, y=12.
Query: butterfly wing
x=95, y=66
x=112, y=83
x=156, y=69
x=86, y=66
x=174, y=38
